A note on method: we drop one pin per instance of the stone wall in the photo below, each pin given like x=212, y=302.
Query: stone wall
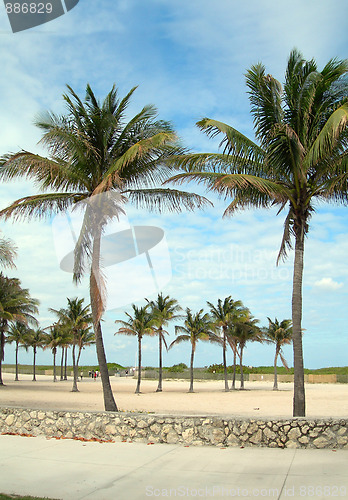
x=184, y=430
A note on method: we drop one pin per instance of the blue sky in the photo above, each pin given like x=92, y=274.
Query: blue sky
x=189, y=59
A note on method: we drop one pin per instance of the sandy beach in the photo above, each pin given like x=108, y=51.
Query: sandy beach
x=209, y=398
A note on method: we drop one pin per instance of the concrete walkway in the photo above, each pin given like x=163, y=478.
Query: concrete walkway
x=74, y=470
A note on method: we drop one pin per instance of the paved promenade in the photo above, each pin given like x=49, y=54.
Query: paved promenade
x=75, y=470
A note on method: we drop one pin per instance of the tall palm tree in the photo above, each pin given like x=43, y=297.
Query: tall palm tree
x=280, y=333
x=98, y=158
x=15, y=305
x=75, y=319
x=246, y=330
x=223, y=314
x=164, y=309
x=18, y=333
x=141, y=323
x=36, y=339
x=199, y=326
x=300, y=158
x=53, y=338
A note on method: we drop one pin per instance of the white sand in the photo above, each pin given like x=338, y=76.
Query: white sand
x=258, y=400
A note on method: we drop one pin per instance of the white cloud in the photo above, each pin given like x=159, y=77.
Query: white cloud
x=328, y=284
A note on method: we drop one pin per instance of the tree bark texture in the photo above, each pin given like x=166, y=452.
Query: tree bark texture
x=191, y=368
x=137, y=390
x=224, y=359
x=109, y=401
x=299, y=403
x=159, y=388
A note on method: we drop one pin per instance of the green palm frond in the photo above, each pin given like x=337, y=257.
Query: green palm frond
x=40, y=206
x=329, y=136
x=162, y=199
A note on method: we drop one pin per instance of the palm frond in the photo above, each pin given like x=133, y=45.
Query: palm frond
x=328, y=136
x=162, y=199
x=40, y=206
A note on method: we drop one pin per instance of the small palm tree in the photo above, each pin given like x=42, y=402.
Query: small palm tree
x=280, y=333
x=15, y=305
x=53, y=339
x=36, y=339
x=246, y=330
x=199, y=326
x=18, y=333
x=76, y=320
x=85, y=338
x=141, y=323
x=95, y=152
x=224, y=314
x=164, y=309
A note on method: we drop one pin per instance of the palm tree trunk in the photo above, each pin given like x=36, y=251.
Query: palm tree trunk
x=74, y=387
x=299, y=404
x=34, y=364
x=234, y=368
x=241, y=368
x=224, y=360
x=109, y=401
x=191, y=369
x=54, y=364
x=137, y=390
x=17, y=347
x=66, y=363
x=275, y=385
x=62, y=365
x=159, y=388
x=2, y=354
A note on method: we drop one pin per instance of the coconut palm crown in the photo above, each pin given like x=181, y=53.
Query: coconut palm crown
x=300, y=157
x=94, y=150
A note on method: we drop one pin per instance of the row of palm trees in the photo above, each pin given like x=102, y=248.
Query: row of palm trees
x=19, y=325
x=300, y=156
x=228, y=322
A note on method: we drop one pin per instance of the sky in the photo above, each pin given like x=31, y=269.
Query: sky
x=189, y=60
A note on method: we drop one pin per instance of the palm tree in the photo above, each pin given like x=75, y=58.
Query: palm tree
x=35, y=339
x=301, y=157
x=96, y=155
x=141, y=323
x=15, y=305
x=65, y=343
x=280, y=334
x=53, y=340
x=199, y=326
x=223, y=315
x=246, y=330
x=85, y=338
x=18, y=333
x=76, y=320
x=163, y=310
x=8, y=252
